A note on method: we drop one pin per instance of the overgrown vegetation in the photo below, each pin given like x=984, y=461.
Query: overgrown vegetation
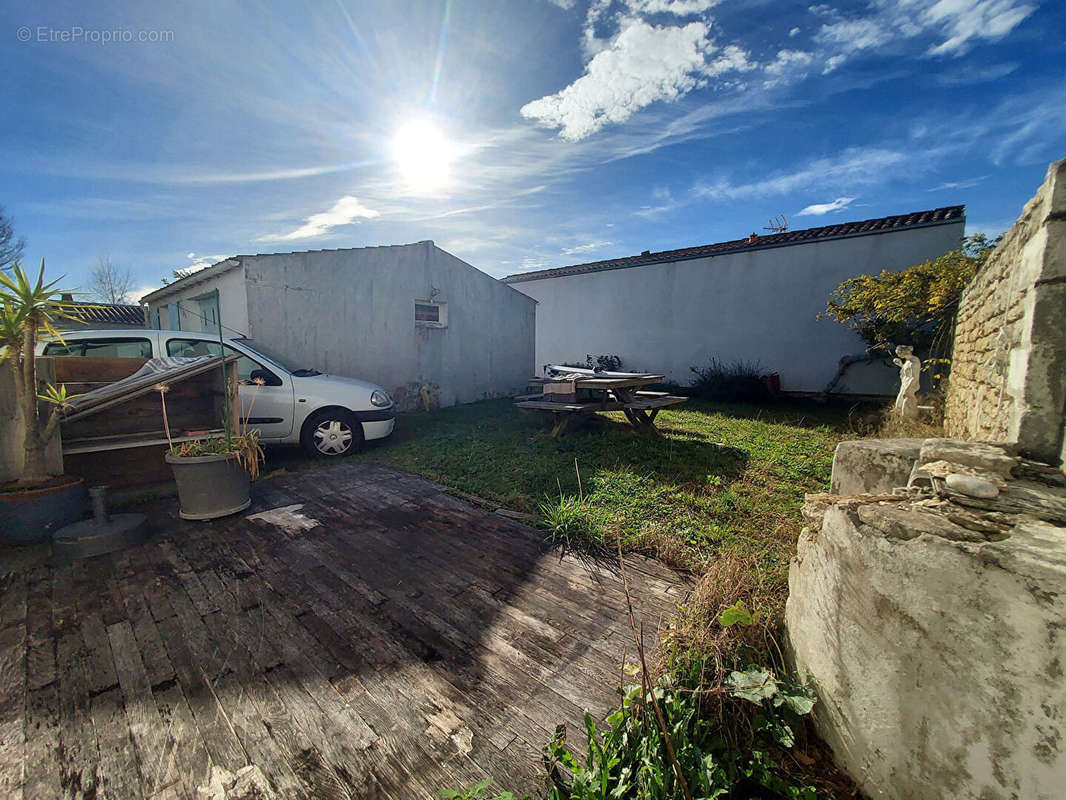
x=737, y=382
x=714, y=758
x=915, y=306
x=718, y=494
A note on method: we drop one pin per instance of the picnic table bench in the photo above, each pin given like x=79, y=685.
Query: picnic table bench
x=605, y=392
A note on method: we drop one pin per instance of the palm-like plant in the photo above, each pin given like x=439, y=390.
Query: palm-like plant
x=28, y=308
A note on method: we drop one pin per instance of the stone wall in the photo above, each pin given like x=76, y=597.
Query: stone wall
x=1008, y=376
x=929, y=619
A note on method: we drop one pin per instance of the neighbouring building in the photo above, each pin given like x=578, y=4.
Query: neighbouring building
x=96, y=316
x=427, y=326
x=754, y=300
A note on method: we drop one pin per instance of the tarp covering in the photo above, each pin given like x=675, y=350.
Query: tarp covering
x=156, y=371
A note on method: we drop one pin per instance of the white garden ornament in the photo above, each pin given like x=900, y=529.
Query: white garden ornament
x=910, y=368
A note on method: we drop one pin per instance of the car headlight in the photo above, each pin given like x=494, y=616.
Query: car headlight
x=380, y=399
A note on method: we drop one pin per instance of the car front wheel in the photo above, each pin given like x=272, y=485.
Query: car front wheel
x=331, y=433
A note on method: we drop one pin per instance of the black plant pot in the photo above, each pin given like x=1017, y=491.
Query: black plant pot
x=32, y=515
x=210, y=486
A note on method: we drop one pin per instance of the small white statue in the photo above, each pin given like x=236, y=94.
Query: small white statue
x=910, y=368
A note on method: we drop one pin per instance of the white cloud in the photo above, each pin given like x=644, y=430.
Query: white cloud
x=731, y=59
x=967, y=184
x=588, y=247
x=855, y=166
x=134, y=297
x=200, y=262
x=832, y=63
x=643, y=64
x=966, y=20
x=666, y=204
x=344, y=212
x=788, y=61
x=631, y=63
x=854, y=35
x=680, y=8
x=819, y=209
x=533, y=262
x=955, y=25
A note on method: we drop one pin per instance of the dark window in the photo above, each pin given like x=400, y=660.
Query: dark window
x=102, y=348
x=192, y=348
x=425, y=312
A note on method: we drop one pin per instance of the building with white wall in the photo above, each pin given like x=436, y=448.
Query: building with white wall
x=412, y=318
x=755, y=299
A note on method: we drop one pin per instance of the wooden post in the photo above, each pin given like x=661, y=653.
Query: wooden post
x=234, y=399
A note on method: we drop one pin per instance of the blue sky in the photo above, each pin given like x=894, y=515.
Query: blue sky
x=517, y=134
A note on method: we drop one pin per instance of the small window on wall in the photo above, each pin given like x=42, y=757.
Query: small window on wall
x=429, y=314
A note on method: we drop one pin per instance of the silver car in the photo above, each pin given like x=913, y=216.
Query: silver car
x=329, y=415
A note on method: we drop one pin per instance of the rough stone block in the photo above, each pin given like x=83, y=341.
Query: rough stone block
x=873, y=466
x=986, y=457
x=938, y=663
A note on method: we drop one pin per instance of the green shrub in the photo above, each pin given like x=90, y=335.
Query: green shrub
x=571, y=524
x=738, y=382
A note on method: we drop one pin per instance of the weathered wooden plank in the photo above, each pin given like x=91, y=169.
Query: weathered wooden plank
x=77, y=736
x=155, y=750
x=42, y=744
x=193, y=758
x=224, y=672
x=176, y=791
x=40, y=656
x=404, y=767
x=12, y=683
x=117, y=775
x=99, y=661
x=153, y=653
x=211, y=720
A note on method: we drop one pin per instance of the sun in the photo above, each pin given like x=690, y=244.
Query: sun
x=423, y=155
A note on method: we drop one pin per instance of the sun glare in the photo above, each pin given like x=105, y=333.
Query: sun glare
x=423, y=155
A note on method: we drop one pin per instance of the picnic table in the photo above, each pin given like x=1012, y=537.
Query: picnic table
x=610, y=391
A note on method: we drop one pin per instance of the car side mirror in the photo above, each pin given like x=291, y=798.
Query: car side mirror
x=266, y=376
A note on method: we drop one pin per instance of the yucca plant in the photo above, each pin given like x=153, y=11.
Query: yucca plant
x=27, y=309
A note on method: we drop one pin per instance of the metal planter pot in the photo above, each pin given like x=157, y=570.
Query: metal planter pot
x=210, y=486
x=32, y=516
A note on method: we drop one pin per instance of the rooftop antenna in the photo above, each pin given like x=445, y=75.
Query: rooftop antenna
x=778, y=224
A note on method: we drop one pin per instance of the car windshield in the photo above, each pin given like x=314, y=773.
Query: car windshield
x=297, y=373
x=253, y=347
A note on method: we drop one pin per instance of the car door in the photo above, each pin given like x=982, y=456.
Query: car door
x=267, y=407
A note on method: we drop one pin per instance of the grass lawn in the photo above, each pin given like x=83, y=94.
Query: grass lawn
x=721, y=479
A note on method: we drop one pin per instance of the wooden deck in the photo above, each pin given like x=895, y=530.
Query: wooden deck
x=378, y=639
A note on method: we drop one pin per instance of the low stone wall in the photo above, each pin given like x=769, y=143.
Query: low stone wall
x=930, y=620
x=1008, y=373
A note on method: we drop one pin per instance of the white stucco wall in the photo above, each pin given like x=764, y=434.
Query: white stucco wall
x=759, y=305
x=351, y=312
x=233, y=302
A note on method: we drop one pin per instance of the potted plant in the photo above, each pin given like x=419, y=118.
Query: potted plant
x=36, y=503
x=214, y=475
